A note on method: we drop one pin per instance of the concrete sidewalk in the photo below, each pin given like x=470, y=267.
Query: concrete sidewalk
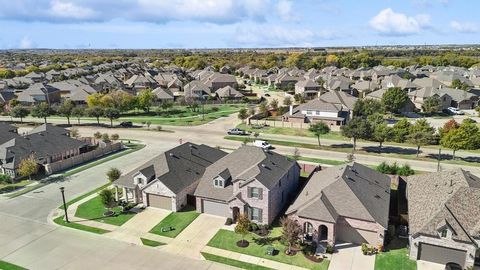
x=250, y=259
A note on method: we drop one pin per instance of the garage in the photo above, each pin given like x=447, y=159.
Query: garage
x=347, y=233
x=216, y=208
x=441, y=255
x=159, y=201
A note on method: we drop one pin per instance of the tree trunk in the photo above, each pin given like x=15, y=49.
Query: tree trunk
x=381, y=144
x=453, y=155
x=78, y=119
x=98, y=120
x=418, y=150
x=21, y=119
x=318, y=138
x=45, y=119
x=68, y=120
x=111, y=122
x=354, y=144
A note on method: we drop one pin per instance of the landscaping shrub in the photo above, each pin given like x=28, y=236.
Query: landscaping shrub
x=215, y=109
x=5, y=179
x=114, y=137
x=329, y=249
x=405, y=170
x=394, y=169
x=229, y=221
x=253, y=227
x=159, y=128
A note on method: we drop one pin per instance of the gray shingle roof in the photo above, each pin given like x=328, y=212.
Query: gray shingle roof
x=351, y=190
x=447, y=196
x=178, y=167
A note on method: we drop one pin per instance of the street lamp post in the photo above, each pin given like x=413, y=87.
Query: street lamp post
x=62, y=190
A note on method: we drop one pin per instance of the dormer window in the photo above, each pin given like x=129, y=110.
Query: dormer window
x=444, y=233
x=219, y=183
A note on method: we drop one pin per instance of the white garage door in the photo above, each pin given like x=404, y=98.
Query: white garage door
x=216, y=208
x=347, y=233
x=159, y=201
x=441, y=255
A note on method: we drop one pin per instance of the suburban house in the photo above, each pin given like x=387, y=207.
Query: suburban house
x=7, y=132
x=449, y=97
x=196, y=90
x=348, y=203
x=169, y=180
x=378, y=95
x=443, y=211
x=250, y=181
x=38, y=93
x=228, y=92
x=333, y=108
x=46, y=143
x=308, y=88
x=163, y=95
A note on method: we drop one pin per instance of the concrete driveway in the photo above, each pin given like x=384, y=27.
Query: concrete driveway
x=351, y=258
x=195, y=237
x=424, y=265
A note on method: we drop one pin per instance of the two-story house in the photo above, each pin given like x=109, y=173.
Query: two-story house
x=250, y=181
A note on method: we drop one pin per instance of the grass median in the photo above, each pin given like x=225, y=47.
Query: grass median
x=234, y=263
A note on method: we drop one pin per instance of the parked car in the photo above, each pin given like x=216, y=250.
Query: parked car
x=453, y=266
x=237, y=131
x=126, y=124
x=455, y=111
x=262, y=144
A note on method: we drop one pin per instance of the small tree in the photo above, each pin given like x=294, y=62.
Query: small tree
x=251, y=111
x=41, y=110
x=145, y=99
x=113, y=174
x=19, y=112
x=96, y=112
x=74, y=133
x=78, y=112
x=296, y=153
x=274, y=104
x=148, y=123
x=287, y=101
x=431, y=105
x=381, y=133
x=263, y=109
x=242, y=227
x=394, y=99
x=291, y=231
x=319, y=129
x=97, y=135
x=419, y=139
x=111, y=113
x=5, y=179
x=105, y=138
x=28, y=167
x=66, y=109
x=356, y=128
x=242, y=114
x=108, y=200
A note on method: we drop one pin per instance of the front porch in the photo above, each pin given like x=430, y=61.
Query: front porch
x=128, y=194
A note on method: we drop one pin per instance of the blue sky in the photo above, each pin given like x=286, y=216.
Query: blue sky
x=235, y=23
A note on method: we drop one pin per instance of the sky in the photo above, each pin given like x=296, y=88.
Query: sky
x=156, y=24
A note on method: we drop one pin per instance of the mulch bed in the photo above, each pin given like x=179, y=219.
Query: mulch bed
x=313, y=258
x=243, y=244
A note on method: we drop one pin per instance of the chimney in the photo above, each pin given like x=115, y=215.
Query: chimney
x=291, y=110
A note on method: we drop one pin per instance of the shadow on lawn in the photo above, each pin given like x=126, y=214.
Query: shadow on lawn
x=390, y=150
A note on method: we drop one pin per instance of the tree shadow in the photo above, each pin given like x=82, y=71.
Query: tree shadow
x=390, y=150
x=342, y=145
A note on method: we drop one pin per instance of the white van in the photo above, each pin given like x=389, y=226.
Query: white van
x=262, y=144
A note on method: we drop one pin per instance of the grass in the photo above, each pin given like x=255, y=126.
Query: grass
x=396, y=258
x=227, y=240
x=151, y=243
x=86, y=195
x=78, y=226
x=4, y=188
x=178, y=220
x=321, y=160
x=93, y=209
x=232, y=262
x=9, y=266
x=332, y=135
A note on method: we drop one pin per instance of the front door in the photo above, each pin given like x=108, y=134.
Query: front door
x=236, y=213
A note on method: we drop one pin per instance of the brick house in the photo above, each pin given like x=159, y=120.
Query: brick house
x=443, y=211
x=168, y=180
x=347, y=203
x=249, y=180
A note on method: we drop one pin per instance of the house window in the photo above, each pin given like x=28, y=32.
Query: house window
x=255, y=192
x=255, y=214
x=444, y=233
x=218, y=183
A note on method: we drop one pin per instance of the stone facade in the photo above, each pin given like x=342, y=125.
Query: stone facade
x=443, y=242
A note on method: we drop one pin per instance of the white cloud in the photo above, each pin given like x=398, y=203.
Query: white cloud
x=464, y=27
x=26, y=43
x=69, y=10
x=388, y=22
x=285, y=10
x=156, y=11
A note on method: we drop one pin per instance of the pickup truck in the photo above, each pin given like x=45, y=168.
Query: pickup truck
x=237, y=131
x=262, y=144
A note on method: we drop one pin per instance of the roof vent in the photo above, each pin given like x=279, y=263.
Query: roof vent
x=377, y=196
x=171, y=154
x=263, y=165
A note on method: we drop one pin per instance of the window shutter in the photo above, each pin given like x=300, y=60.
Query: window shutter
x=260, y=215
x=249, y=192
x=260, y=193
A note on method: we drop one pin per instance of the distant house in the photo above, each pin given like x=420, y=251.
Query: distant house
x=46, y=143
x=218, y=80
x=38, y=93
x=35, y=77
x=228, y=92
x=7, y=132
x=443, y=211
x=249, y=181
x=169, y=180
x=449, y=97
x=347, y=203
x=140, y=82
x=333, y=108
x=163, y=95
x=362, y=88
x=308, y=88
x=378, y=95
x=196, y=90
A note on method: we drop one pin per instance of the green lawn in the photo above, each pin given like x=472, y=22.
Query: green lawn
x=232, y=262
x=86, y=195
x=333, y=135
x=151, y=243
x=321, y=160
x=78, y=226
x=227, y=240
x=396, y=258
x=178, y=220
x=8, y=266
x=94, y=209
x=4, y=188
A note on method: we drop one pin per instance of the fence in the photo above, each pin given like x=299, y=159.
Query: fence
x=82, y=158
x=285, y=124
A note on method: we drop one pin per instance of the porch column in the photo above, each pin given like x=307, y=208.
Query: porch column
x=125, y=194
x=134, y=195
x=116, y=193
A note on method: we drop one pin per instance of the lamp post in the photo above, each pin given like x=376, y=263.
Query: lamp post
x=62, y=190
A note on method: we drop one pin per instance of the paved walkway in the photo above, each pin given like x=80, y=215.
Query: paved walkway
x=140, y=225
x=351, y=258
x=252, y=259
x=190, y=242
